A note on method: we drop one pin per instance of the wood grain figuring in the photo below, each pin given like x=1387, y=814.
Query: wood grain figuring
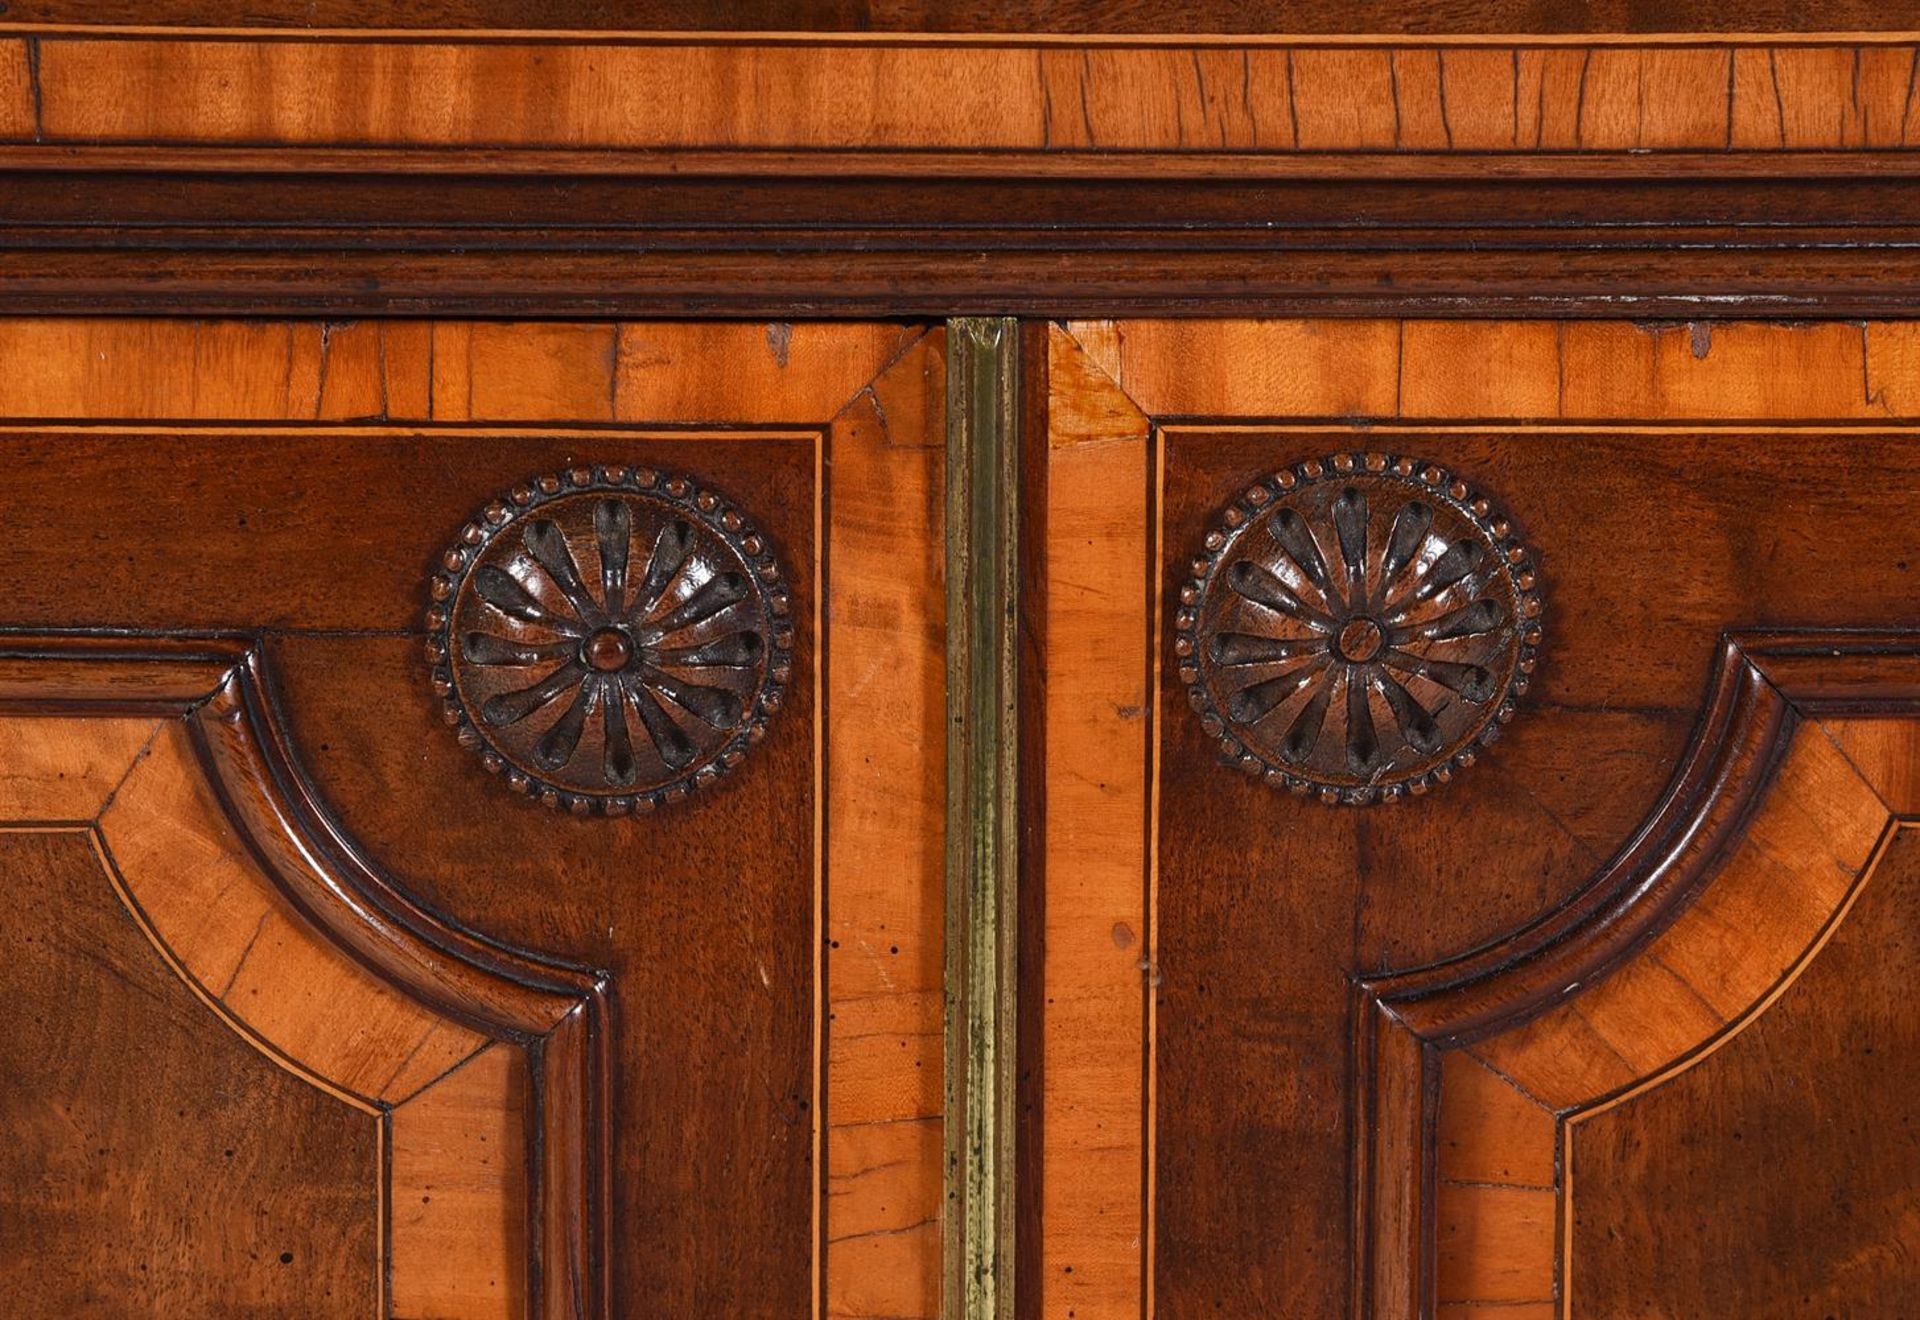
x=707, y=914
x=263, y=500
x=1886, y=752
x=1491, y=1133
x=1267, y=907
x=214, y=799
x=16, y=92
x=885, y=840
x=1392, y=1189
x=1775, y=889
x=1778, y=1177
x=1090, y=18
x=205, y=898
x=373, y=371
x=571, y=94
x=128, y=1182
x=61, y=769
x=773, y=372
x=1441, y=370
x=457, y=1180
x=1496, y=1244
x=129, y=369
x=341, y=694
x=1250, y=368
x=524, y=372
x=1579, y=499
x=1097, y=933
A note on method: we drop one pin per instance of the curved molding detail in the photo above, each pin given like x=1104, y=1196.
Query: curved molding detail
x=215, y=701
x=1712, y=908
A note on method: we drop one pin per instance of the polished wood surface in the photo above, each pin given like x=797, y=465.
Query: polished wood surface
x=113, y=1129
x=206, y=899
x=341, y=1061
x=1542, y=384
x=885, y=836
x=818, y=1177
x=506, y=174
x=818, y=93
x=1096, y=933
x=1802, y=1168
x=1682, y=449
x=1760, y=898
x=1079, y=17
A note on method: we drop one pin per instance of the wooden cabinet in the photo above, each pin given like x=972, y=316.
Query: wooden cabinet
x=1039, y=672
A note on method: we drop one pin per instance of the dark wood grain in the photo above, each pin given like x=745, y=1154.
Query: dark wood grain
x=555, y=1011
x=1780, y=1176
x=599, y=244
x=700, y=916
x=1031, y=684
x=1255, y=882
x=393, y=500
x=687, y=1108
x=1743, y=750
x=128, y=1182
x=941, y=177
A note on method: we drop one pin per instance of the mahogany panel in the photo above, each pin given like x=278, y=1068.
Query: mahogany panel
x=130, y=1181
x=385, y=504
x=1758, y=855
x=1673, y=504
x=276, y=927
x=784, y=1104
x=198, y=889
x=1780, y=1176
x=1243, y=867
x=701, y=917
x=1727, y=521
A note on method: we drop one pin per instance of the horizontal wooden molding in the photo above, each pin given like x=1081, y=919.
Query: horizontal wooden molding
x=626, y=174
x=280, y=241
x=1181, y=23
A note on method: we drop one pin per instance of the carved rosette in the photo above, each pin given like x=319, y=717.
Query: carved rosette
x=609, y=639
x=1358, y=627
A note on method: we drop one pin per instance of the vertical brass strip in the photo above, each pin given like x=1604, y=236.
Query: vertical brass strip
x=981, y=1025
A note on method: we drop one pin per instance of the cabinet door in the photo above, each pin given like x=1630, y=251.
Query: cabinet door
x=473, y=835
x=1470, y=858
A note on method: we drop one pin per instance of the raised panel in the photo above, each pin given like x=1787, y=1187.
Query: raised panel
x=1375, y=999
x=1777, y=1176
x=154, y=1159
x=227, y=1078
x=631, y=1047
